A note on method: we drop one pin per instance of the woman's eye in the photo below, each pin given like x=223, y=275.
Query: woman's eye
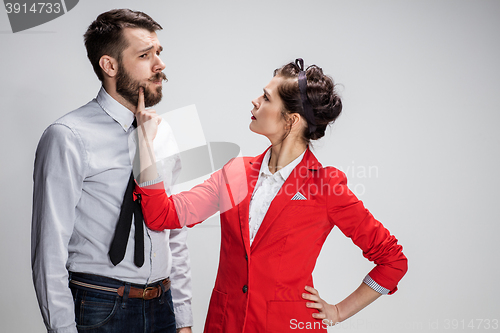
x=143, y=55
x=265, y=97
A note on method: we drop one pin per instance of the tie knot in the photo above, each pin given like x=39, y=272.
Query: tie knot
x=134, y=123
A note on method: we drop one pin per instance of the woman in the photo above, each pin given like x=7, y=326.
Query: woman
x=276, y=211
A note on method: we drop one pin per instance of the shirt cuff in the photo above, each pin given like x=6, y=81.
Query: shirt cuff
x=69, y=329
x=183, y=316
x=375, y=286
x=151, y=182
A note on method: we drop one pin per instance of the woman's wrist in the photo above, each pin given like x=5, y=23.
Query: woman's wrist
x=337, y=311
x=145, y=143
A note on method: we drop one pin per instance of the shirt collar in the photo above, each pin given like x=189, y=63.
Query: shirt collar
x=283, y=172
x=115, y=110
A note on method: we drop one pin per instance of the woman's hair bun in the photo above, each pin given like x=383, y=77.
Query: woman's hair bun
x=321, y=94
x=325, y=101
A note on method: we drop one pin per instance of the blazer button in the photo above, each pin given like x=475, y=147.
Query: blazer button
x=246, y=256
x=245, y=288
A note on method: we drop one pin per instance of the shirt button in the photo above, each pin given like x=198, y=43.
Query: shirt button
x=245, y=288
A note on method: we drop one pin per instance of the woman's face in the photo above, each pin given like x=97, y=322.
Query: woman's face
x=266, y=114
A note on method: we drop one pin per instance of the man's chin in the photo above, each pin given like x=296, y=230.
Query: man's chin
x=153, y=99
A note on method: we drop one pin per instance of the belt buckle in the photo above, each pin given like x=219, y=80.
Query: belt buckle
x=146, y=290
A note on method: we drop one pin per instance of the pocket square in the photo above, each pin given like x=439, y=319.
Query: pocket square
x=299, y=196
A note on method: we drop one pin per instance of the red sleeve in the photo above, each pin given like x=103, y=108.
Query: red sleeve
x=224, y=190
x=158, y=208
x=347, y=212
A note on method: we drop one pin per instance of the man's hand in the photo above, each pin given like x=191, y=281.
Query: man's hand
x=327, y=312
x=184, y=330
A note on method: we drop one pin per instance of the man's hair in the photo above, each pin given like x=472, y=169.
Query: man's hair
x=105, y=35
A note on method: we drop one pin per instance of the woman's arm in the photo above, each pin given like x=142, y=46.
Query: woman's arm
x=147, y=127
x=348, y=213
x=378, y=245
x=333, y=314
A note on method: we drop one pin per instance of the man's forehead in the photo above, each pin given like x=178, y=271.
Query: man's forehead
x=139, y=38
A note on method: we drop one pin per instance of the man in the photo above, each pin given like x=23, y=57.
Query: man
x=95, y=267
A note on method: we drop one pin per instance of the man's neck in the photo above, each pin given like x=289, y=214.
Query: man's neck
x=119, y=98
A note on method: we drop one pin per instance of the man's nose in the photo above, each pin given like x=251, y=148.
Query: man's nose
x=159, y=65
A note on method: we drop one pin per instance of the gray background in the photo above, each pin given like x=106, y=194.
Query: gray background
x=420, y=85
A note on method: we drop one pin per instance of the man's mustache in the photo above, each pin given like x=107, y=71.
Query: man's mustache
x=159, y=76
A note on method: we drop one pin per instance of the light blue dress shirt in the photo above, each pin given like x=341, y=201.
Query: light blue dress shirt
x=82, y=166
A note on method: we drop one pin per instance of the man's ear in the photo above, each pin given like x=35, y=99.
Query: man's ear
x=109, y=65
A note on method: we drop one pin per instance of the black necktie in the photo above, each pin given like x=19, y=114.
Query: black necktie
x=120, y=239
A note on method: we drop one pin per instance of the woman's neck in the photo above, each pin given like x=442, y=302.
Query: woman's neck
x=284, y=153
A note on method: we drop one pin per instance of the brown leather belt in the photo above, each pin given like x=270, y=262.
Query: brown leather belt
x=146, y=294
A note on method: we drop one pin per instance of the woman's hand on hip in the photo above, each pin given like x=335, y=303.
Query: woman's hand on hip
x=327, y=312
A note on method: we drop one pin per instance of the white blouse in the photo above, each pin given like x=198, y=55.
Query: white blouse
x=265, y=191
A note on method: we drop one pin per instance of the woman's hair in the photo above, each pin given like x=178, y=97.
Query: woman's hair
x=321, y=94
x=104, y=36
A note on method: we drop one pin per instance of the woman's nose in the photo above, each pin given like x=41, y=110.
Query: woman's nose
x=255, y=103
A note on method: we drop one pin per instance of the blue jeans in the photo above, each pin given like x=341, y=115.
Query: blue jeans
x=106, y=312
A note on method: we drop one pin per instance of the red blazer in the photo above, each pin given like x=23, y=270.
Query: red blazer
x=258, y=288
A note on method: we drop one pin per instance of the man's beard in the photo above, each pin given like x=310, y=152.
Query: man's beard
x=128, y=88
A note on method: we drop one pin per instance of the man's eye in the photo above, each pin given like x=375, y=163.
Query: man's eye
x=143, y=55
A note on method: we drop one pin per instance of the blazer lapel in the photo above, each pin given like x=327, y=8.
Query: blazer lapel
x=299, y=176
x=252, y=173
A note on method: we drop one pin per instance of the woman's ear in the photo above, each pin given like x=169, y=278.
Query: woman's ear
x=296, y=119
x=109, y=65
